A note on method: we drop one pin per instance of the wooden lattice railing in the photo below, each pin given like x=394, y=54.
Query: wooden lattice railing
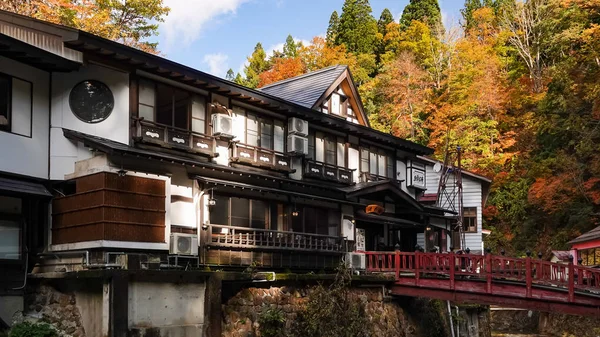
x=490, y=268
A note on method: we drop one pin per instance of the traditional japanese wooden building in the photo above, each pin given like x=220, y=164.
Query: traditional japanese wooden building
x=116, y=158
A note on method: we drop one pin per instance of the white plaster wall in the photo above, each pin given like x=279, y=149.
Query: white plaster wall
x=174, y=308
x=28, y=155
x=64, y=153
x=354, y=162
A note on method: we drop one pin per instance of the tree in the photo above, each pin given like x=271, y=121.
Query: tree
x=130, y=22
x=282, y=68
x=333, y=28
x=230, y=76
x=404, y=85
x=385, y=19
x=257, y=63
x=427, y=11
x=290, y=48
x=471, y=6
x=357, y=28
x=529, y=35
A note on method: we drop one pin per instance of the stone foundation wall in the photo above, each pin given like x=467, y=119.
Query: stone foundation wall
x=515, y=321
x=560, y=325
x=241, y=312
x=45, y=303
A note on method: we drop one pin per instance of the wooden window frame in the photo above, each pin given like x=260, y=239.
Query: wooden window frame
x=9, y=128
x=378, y=152
x=259, y=119
x=207, y=100
x=466, y=227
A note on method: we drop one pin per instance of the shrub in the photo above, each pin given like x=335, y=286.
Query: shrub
x=28, y=329
x=332, y=312
x=272, y=322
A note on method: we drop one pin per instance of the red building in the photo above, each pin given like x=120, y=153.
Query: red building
x=587, y=248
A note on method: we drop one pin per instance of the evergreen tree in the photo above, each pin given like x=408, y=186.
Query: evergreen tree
x=333, y=28
x=357, y=29
x=427, y=11
x=473, y=5
x=239, y=79
x=230, y=75
x=257, y=63
x=385, y=19
x=290, y=48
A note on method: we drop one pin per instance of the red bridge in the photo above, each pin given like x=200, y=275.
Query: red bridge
x=489, y=279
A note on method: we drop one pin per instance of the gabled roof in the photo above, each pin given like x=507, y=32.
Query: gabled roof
x=392, y=189
x=310, y=90
x=305, y=89
x=594, y=234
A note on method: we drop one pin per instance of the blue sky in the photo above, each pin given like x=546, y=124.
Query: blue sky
x=215, y=35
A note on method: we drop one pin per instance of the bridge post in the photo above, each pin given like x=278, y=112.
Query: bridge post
x=571, y=276
x=397, y=264
x=417, y=266
x=488, y=270
x=452, y=269
x=528, y=277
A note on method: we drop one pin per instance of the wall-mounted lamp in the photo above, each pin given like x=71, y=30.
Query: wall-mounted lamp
x=295, y=212
x=212, y=201
x=121, y=173
x=353, y=221
x=204, y=227
x=428, y=228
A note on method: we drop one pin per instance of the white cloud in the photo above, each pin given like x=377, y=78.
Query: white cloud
x=188, y=18
x=217, y=64
x=279, y=46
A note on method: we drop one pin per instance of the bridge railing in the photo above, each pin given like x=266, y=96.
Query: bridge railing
x=490, y=268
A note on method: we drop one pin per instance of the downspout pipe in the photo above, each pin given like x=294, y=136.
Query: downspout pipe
x=450, y=317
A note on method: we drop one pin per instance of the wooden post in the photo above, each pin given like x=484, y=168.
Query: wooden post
x=571, y=282
x=397, y=262
x=528, y=277
x=417, y=264
x=488, y=270
x=452, y=269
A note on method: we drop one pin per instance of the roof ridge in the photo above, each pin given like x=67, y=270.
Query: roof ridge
x=311, y=73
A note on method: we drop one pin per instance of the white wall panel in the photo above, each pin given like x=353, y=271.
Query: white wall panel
x=27, y=155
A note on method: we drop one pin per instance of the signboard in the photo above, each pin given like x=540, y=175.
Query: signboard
x=415, y=173
x=373, y=208
x=360, y=240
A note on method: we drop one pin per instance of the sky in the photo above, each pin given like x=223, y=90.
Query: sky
x=215, y=35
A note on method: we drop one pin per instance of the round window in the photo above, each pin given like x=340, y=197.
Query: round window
x=91, y=101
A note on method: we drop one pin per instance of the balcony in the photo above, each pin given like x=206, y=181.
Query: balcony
x=260, y=157
x=229, y=237
x=174, y=138
x=324, y=171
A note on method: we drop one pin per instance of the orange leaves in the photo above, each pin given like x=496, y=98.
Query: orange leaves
x=282, y=69
x=592, y=190
x=553, y=193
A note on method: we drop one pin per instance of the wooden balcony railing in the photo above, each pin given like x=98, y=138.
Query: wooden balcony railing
x=260, y=157
x=324, y=171
x=175, y=138
x=221, y=236
x=369, y=177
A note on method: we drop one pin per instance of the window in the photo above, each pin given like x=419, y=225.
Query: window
x=376, y=162
x=252, y=130
x=15, y=105
x=11, y=226
x=91, y=101
x=242, y=212
x=590, y=257
x=171, y=106
x=470, y=219
x=326, y=148
x=337, y=104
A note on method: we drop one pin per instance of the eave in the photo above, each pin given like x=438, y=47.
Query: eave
x=132, y=59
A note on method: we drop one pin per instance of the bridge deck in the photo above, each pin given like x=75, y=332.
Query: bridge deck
x=489, y=279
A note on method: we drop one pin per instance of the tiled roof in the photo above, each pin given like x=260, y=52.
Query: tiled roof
x=305, y=89
x=562, y=255
x=594, y=234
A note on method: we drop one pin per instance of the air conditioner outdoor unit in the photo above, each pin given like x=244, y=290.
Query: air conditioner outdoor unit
x=297, y=144
x=222, y=125
x=356, y=261
x=297, y=126
x=184, y=244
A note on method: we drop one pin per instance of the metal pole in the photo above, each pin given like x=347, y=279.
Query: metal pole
x=450, y=316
